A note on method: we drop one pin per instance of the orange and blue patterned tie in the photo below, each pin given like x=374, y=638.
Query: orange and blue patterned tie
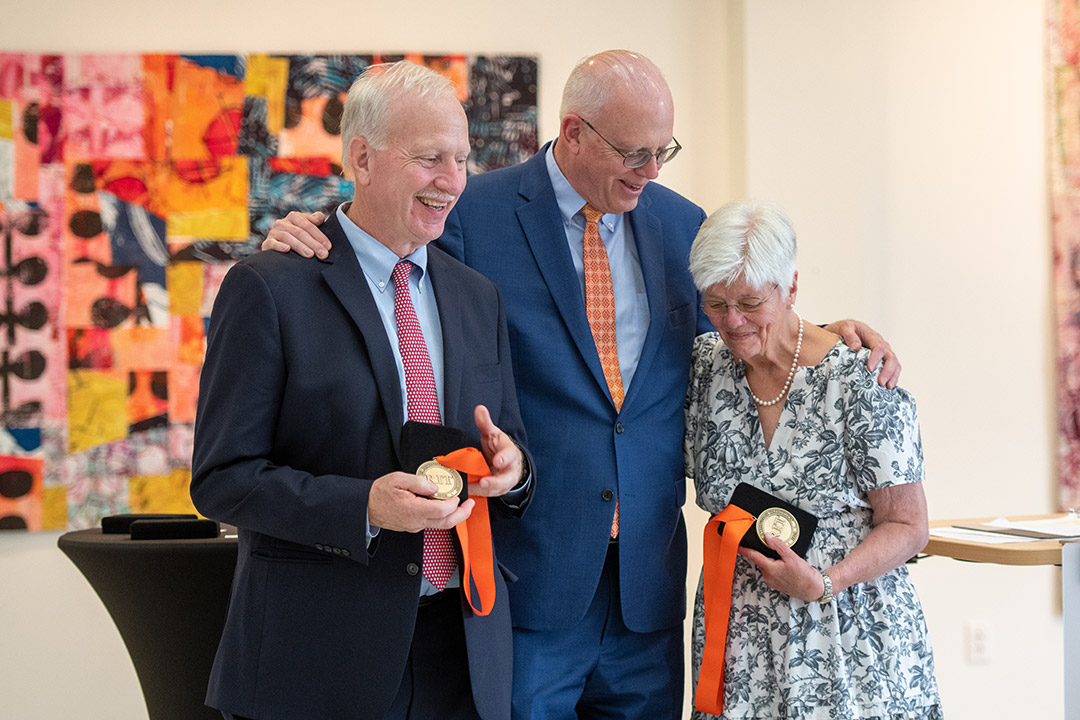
x=600, y=309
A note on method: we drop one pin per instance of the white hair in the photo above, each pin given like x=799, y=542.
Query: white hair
x=368, y=104
x=746, y=240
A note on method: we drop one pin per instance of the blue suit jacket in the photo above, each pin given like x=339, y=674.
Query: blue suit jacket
x=507, y=226
x=299, y=411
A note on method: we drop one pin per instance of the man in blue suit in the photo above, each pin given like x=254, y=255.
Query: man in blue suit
x=597, y=610
x=337, y=609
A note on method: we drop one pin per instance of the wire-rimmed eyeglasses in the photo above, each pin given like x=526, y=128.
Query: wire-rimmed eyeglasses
x=745, y=305
x=637, y=158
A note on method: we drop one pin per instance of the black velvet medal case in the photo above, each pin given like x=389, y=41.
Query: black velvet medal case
x=767, y=510
x=421, y=442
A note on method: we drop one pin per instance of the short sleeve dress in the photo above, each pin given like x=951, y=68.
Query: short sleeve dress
x=866, y=654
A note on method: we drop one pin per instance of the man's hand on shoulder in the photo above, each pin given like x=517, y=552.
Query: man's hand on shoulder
x=300, y=233
x=857, y=334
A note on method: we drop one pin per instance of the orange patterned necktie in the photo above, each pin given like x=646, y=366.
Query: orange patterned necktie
x=600, y=309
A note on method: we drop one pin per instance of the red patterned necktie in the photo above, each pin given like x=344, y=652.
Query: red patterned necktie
x=422, y=403
x=600, y=309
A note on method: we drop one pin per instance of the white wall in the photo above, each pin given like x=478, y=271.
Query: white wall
x=907, y=142
x=905, y=139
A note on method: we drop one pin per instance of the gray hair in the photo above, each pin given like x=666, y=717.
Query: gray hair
x=745, y=240
x=595, y=79
x=367, y=106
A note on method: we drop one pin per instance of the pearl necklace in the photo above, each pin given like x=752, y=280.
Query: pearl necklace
x=791, y=372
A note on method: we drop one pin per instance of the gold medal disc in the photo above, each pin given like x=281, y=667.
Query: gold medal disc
x=780, y=523
x=447, y=479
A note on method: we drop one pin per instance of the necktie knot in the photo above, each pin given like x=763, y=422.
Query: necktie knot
x=592, y=215
x=400, y=276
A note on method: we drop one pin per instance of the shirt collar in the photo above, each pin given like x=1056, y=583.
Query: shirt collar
x=376, y=260
x=569, y=200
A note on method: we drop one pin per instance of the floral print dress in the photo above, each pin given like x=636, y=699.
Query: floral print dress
x=866, y=654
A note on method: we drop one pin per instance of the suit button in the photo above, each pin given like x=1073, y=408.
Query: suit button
x=412, y=568
x=337, y=551
x=319, y=546
x=619, y=428
x=607, y=495
x=344, y=552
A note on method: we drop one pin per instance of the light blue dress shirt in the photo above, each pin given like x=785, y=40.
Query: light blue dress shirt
x=378, y=262
x=627, y=282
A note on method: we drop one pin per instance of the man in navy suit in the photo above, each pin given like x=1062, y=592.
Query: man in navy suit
x=334, y=613
x=597, y=614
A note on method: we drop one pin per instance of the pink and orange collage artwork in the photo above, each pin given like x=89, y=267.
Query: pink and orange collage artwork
x=1063, y=63
x=129, y=184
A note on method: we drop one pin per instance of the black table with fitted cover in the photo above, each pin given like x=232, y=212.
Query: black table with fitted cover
x=168, y=599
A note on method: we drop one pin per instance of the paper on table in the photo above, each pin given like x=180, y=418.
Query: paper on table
x=1067, y=526
x=984, y=537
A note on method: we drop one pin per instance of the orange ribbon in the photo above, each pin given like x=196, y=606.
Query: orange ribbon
x=475, y=533
x=721, y=549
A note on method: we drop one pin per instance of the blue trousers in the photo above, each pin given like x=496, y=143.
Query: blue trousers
x=599, y=668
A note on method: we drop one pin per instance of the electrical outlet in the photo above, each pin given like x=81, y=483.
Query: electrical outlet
x=977, y=643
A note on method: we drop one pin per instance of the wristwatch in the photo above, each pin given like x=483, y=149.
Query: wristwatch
x=827, y=595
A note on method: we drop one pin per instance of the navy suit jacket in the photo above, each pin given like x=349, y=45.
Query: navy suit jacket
x=299, y=411
x=507, y=226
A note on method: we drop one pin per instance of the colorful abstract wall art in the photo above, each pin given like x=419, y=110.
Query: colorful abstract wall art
x=129, y=184
x=1063, y=47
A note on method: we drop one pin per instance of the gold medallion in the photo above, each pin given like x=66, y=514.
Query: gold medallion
x=447, y=479
x=778, y=522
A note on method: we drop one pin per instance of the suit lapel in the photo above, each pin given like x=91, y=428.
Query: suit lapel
x=346, y=280
x=543, y=227
x=649, y=240
x=449, y=304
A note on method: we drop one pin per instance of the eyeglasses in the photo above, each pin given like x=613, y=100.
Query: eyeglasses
x=637, y=158
x=746, y=306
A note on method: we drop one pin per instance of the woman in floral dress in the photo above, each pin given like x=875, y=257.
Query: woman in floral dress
x=785, y=406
